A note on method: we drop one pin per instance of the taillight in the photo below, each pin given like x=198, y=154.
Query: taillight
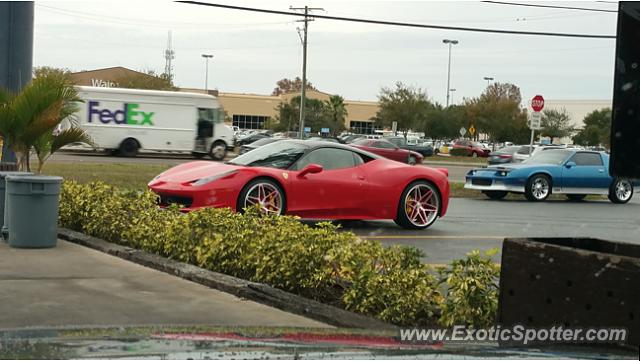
x=505, y=156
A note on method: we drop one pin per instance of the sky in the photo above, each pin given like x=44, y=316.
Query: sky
x=253, y=51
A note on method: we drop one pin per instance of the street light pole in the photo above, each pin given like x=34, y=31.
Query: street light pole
x=206, y=72
x=450, y=42
x=452, y=90
x=488, y=79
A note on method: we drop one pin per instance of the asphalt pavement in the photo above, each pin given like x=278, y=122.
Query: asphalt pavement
x=483, y=224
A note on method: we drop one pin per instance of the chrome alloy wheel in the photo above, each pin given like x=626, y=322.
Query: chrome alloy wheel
x=421, y=205
x=266, y=196
x=623, y=190
x=540, y=188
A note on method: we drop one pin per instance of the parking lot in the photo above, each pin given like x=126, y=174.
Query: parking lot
x=470, y=223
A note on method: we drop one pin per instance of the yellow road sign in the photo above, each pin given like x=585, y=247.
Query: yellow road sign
x=472, y=130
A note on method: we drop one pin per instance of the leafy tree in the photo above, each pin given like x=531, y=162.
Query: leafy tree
x=147, y=80
x=28, y=119
x=403, y=104
x=40, y=71
x=497, y=113
x=318, y=114
x=285, y=86
x=596, y=130
x=444, y=123
x=556, y=124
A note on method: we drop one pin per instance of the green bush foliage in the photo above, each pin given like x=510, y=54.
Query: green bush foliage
x=338, y=268
x=472, y=292
x=458, y=152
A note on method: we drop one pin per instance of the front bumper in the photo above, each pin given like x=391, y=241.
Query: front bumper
x=493, y=185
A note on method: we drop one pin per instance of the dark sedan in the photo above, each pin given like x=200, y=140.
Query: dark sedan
x=503, y=155
x=257, y=144
x=251, y=138
x=388, y=150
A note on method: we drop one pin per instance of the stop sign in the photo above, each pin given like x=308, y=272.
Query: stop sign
x=537, y=103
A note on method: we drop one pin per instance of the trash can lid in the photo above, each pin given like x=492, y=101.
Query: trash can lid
x=11, y=173
x=34, y=179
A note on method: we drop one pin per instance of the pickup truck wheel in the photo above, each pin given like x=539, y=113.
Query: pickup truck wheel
x=129, y=148
x=218, y=150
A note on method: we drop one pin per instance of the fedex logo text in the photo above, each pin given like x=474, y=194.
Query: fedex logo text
x=129, y=114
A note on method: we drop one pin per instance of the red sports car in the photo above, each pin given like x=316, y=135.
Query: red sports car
x=311, y=179
x=388, y=150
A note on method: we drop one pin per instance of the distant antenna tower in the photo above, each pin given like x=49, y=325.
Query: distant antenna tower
x=169, y=55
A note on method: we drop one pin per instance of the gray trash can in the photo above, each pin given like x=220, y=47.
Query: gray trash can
x=33, y=214
x=3, y=221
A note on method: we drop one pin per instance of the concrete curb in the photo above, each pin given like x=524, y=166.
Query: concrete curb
x=253, y=291
x=435, y=164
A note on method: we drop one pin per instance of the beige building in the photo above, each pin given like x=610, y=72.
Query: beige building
x=247, y=111
x=577, y=109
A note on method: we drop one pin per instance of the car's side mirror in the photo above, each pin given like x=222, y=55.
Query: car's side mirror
x=570, y=164
x=310, y=169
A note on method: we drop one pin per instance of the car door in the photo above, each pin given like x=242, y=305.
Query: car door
x=388, y=150
x=588, y=175
x=338, y=191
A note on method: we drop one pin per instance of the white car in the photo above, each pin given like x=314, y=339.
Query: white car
x=523, y=153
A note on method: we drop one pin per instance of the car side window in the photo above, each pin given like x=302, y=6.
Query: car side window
x=384, y=145
x=328, y=158
x=585, y=159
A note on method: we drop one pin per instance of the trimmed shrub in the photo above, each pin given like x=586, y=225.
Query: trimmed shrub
x=338, y=268
x=459, y=152
x=472, y=291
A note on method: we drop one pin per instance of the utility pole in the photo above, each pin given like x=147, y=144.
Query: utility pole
x=304, y=62
x=169, y=55
x=450, y=42
x=206, y=72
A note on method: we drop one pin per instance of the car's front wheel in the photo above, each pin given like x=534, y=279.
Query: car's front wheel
x=538, y=188
x=264, y=194
x=496, y=194
x=621, y=191
x=419, y=206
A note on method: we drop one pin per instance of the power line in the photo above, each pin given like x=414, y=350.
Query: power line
x=550, y=6
x=411, y=25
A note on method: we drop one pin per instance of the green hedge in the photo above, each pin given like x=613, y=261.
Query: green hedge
x=459, y=152
x=319, y=262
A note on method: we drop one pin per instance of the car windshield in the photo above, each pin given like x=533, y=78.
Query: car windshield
x=280, y=154
x=552, y=156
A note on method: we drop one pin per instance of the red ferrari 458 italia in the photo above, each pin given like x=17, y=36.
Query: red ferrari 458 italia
x=313, y=180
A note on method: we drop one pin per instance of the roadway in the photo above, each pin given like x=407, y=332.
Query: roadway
x=470, y=223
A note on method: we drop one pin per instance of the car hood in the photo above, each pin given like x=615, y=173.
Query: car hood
x=192, y=171
x=512, y=166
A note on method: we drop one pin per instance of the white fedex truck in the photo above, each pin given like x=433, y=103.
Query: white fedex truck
x=129, y=120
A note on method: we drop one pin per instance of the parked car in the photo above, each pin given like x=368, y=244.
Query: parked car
x=248, y=139
x=575, y=173
x=257, y=144
x=473, y=149
x=287, y=177
x=388, y=150
x=503, y=155
x=326, y=139
x=401, y=142
x=523, y=153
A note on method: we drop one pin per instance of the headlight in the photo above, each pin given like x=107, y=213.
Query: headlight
x=209, y=179
x=503, y=173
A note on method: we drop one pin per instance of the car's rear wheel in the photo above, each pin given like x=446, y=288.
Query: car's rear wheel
x=419, y=206
x=576, y=197
x=264, y=194
x=538, y=188
x=496, y=194
x=621, y=191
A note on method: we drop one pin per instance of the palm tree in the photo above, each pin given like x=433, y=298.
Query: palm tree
x=337, y=112
x=28, y=119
